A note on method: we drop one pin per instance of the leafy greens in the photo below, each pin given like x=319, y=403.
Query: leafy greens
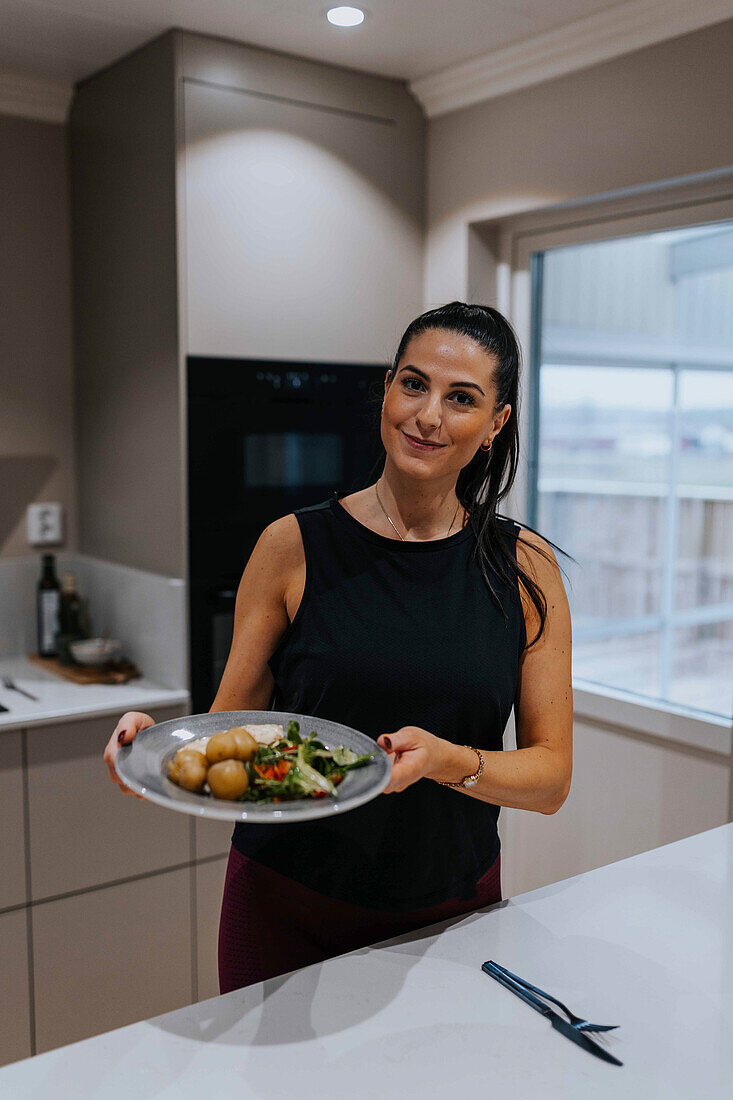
x=295, y=767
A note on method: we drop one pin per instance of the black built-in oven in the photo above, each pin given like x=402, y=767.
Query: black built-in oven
x=264, y=438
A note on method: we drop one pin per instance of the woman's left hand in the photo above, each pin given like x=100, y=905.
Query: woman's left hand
x=416, y=754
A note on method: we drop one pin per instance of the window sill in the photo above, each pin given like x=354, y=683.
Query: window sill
x=664, y=720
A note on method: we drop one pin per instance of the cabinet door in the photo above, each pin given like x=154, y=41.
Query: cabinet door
x=627, y=797
x=110, y=957
x=209, y=892
x=12, y=829
x=298, y=246
x=213, y=838
x=83, y=830
x=15, y=1024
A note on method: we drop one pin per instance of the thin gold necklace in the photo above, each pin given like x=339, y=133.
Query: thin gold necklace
x=376, y=486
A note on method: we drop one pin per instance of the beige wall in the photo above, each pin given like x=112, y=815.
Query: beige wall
x=36, y=433
x=656, y=114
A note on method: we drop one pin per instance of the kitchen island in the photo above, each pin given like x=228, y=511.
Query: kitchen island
x=646, y=943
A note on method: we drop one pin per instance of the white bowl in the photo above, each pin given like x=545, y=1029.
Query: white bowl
x=94, y=651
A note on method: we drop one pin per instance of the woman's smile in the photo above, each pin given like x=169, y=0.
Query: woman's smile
x=420, y=445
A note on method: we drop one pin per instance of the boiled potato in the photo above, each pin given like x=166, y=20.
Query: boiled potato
x=227, y=779
x=245, y=742
x=236, y=743
x=186, y=750
x=192, y=771
x=174, y=765
x=222, y=746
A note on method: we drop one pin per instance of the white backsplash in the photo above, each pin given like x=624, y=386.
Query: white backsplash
x=146, y=612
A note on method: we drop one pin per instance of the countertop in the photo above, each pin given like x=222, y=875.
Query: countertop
x=645, y=943
x=61, y=700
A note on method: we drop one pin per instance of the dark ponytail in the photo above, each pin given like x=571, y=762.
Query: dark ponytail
x=490, y=474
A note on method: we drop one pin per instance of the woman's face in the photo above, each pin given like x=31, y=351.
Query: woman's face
x=442, y=393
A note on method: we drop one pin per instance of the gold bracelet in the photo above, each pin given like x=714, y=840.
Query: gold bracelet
x=468, y=780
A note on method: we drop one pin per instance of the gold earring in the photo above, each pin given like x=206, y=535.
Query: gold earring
x=487, y=448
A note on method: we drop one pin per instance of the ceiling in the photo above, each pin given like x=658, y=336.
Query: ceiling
x=423, y=41
x=68, y=39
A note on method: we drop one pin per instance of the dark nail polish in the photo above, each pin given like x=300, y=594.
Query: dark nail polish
x=121, y=736
x=388, y=744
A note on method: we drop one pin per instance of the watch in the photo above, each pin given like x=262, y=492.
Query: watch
x=468, y=780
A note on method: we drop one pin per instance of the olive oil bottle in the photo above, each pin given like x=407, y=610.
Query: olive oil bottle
x=49, y=607
x=70, y=615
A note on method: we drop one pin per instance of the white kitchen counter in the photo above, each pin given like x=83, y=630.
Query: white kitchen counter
x=61, y=700
x=646, y=943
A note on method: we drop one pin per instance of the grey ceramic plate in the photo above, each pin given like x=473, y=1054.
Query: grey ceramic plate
x=142, y=767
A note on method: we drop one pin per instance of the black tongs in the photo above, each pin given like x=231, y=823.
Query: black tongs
x=573, y=1032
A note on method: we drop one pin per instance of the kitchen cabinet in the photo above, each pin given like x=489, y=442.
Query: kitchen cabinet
x=13, y=887
x=628, y=795
x=291, y=220
x=122, y=912
x=301, y=205
x=231, y=201
x=108, y=957
x=15, y=1017
x=210, y=877
x=83, y=831
x=212, y=838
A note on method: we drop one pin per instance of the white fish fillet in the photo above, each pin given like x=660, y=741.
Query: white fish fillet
x=199, y=743
x=264, y=733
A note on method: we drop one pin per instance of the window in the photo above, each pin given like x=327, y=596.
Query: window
x=633, y=436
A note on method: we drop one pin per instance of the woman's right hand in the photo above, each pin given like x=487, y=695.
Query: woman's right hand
x=128, y=727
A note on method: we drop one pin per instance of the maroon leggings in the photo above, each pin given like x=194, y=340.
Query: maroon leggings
x=271, y=924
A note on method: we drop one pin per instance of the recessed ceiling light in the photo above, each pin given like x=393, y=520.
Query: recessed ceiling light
x=345, y=17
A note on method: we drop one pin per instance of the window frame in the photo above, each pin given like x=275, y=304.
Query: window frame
x=512, y=277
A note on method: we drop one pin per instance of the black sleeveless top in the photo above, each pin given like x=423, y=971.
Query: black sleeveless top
x=389, y=634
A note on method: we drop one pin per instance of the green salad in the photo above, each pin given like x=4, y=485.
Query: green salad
x=297, y=767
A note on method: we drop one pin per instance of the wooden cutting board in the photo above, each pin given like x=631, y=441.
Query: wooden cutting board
x=114, y=672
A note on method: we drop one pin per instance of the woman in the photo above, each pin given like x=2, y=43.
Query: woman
x=398, y=610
